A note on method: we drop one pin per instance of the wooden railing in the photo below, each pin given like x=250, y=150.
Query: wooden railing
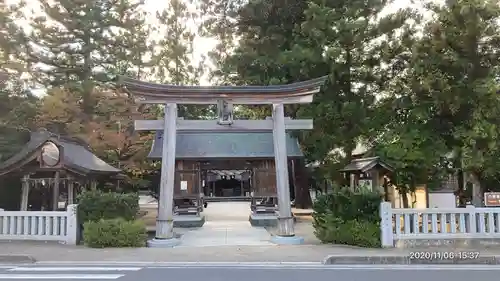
x=438, y=223
x=40, y=225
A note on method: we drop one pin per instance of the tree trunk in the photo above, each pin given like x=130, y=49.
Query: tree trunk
x=477, y=190
x=403, y=192
x=405, y=200
x=302, y=196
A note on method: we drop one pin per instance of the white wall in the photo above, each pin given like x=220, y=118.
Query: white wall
x=442, y=200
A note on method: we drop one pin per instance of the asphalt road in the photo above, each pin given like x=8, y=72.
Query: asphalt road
x=246, y=272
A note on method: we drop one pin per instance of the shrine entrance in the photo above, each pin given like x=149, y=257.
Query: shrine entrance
x=185, y=146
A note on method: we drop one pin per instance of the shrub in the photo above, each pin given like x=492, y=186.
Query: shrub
x=348, y=217
x=94, y=205
x=352, y=232
x=116, y=233
x=350, y=205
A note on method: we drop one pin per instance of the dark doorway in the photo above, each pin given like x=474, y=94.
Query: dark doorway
x=227, y=185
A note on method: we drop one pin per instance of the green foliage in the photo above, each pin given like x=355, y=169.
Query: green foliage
x=114, y=233
x=353, y=232
x=84, y=24
x=424, y=96
x=173, y=58
x=17, y=114
x=445, y=106
x=348, y=217
x=349, y=205
x=94, y=205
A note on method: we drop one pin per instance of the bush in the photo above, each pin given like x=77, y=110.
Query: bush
x=94, y=205
x=348, y=217
x=352, y=232
x=116, y=233
x=349, y=205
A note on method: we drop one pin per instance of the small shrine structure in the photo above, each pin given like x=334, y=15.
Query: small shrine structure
x=368, y=173
x=53, y=168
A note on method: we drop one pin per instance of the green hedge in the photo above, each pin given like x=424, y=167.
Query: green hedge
x=348, y=217
x=94, y=205
x=115, y=233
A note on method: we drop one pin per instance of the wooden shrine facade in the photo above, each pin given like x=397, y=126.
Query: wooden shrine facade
x=52, y=169
x=192, y=177
x=198, y=154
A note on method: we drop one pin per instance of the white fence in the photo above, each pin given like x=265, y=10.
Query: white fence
x=438, y=223
x=40, y=225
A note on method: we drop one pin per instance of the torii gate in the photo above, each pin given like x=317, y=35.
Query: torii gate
x=224, y=97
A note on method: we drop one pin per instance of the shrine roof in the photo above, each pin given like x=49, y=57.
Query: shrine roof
x=139, y=87
x=76, y=155
x=225, y=145
x=365, y=164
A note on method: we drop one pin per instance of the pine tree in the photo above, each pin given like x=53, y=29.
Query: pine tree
x=17, y=105
x=456, y=69
x=174, y=53
x=9, y=45
x=355, y=42
x=218, y=22
x=75, y=44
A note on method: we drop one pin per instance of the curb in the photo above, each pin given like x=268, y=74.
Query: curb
x=338, y=259
x=184, y=264
x=16, y=259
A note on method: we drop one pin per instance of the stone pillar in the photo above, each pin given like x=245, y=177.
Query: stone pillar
x=285, y=233
x=165, y=221
x=25, y=193
x=55, y=191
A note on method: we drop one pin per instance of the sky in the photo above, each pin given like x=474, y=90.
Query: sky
x=201, y=45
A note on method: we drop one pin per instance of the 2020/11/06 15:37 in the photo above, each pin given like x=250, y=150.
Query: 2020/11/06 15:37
x=438, y=255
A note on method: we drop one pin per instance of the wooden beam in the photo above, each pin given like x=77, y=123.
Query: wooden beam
x=211, y=125
x=55, y=191
x=303, y=99
x=25, y=193
x=71, y=191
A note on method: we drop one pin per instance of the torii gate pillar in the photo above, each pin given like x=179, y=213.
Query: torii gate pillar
x=165, y=221
x=285, y=217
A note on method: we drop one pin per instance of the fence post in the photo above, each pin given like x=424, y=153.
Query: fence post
x=471, y=219
x=386, y=232
x=72, y=225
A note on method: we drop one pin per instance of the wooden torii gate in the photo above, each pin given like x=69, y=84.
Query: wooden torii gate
x=224, y=97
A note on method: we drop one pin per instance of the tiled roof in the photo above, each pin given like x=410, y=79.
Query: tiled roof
x=76, y=155
x=224, y=145
x=365, y=164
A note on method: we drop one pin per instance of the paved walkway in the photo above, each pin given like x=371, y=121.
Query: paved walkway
x=227, y=211
x=227, y=225
x=222, y=233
